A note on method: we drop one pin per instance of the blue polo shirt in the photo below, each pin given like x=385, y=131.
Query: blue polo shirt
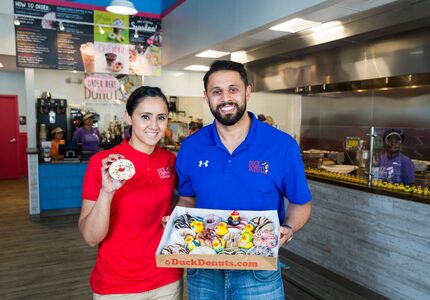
x=262, y=170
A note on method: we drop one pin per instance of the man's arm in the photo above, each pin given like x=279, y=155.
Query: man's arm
x=297, y=216
x=187, y=201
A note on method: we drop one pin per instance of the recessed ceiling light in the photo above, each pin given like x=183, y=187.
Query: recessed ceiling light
x=212, y=54
x=239, y=56
x=294, y=25
x=326, y=26
x=197, y=68
x=122, y=7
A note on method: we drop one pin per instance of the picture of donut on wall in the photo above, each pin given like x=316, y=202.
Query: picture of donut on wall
x=111, y=58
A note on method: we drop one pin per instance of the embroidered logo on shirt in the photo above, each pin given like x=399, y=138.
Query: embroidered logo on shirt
x=203, y=163
x=255, y=166
x=164, y=173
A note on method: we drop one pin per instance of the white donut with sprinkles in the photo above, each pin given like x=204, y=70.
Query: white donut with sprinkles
x=122, y=169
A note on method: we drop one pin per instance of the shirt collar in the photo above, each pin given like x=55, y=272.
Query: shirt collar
x=254, y=136
x=136, y=153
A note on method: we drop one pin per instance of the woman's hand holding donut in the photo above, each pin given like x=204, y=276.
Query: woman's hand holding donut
x=110, y=185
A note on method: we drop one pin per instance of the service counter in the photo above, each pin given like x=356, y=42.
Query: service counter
x=415, y=193
x=60, y=187
x=55, y=188
x=375, y=239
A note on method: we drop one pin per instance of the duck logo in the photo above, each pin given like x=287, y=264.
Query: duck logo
x=255, y=166
x=203, y=163
x=164, y=173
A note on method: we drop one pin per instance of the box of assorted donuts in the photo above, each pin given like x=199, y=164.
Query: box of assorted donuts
x=220, y=239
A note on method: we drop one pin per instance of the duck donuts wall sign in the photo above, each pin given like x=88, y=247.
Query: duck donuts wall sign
x=220, y=239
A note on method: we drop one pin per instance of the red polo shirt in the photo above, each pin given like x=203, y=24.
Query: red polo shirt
x=126, y=257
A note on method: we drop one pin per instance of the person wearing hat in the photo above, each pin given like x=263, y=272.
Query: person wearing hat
x=88, y=136
x=56, y=141
x=394, y=166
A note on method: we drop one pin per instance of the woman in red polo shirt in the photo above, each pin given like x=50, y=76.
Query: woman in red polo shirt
x=123, y=218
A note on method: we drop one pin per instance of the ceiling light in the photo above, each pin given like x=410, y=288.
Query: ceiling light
x=136, y=35
x=294, y=25
x=239, y=56
x=197, y=68
x=101, y=29
x=212, y=54
x=326, y=26
x=16, y=21
x=61, y=26
x=122, y=7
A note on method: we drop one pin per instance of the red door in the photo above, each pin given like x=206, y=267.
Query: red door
x=9, y=130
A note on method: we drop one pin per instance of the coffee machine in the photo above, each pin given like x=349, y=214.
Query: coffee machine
x=51, y=113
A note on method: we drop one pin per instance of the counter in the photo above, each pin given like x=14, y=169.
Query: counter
x=60, y=187
x=379, y=241
x=360, y=183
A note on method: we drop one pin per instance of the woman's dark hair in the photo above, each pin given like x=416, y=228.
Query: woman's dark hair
x=226, y=65
x=140, y=94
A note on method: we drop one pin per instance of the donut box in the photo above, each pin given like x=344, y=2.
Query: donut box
x=220, y=239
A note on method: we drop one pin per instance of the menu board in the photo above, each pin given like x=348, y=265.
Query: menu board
x=145, y=49
x=82, y=45
x=36, y=37
x=74, y=35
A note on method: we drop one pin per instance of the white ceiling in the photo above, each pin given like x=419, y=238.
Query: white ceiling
x=339, y=10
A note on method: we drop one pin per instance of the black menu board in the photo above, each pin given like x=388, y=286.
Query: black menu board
x=82, y=46
x=41, y=44
x=73, y=36
x=36, y=37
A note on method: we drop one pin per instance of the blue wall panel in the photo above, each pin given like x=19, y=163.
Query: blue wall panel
x=60, y=185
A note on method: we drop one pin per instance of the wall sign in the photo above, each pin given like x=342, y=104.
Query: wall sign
x=41, y=44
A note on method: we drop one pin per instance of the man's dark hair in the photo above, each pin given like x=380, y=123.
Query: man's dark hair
x=226, y=65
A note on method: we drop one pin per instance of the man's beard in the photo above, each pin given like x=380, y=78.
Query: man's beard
x=229, y=119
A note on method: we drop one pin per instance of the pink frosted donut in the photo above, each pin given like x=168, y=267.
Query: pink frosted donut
x=211, y=221
x=265, y=238
x=260, y=250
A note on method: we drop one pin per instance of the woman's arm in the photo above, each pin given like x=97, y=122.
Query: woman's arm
x=95, y=215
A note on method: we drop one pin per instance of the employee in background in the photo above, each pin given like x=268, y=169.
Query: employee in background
x=88, y=136
x=56, y=141
x=394, y=166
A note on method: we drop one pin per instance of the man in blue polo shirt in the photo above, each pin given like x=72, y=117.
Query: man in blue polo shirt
x=240, y=163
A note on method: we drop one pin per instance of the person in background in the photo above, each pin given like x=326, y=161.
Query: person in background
x=248, y=165
x=88, y=136
x=56, y=141
x=394, y=166
x=124, y=218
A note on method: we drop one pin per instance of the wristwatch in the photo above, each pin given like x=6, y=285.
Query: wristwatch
x=292, y=232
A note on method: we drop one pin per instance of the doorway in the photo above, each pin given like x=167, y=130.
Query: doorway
x=9, y=137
